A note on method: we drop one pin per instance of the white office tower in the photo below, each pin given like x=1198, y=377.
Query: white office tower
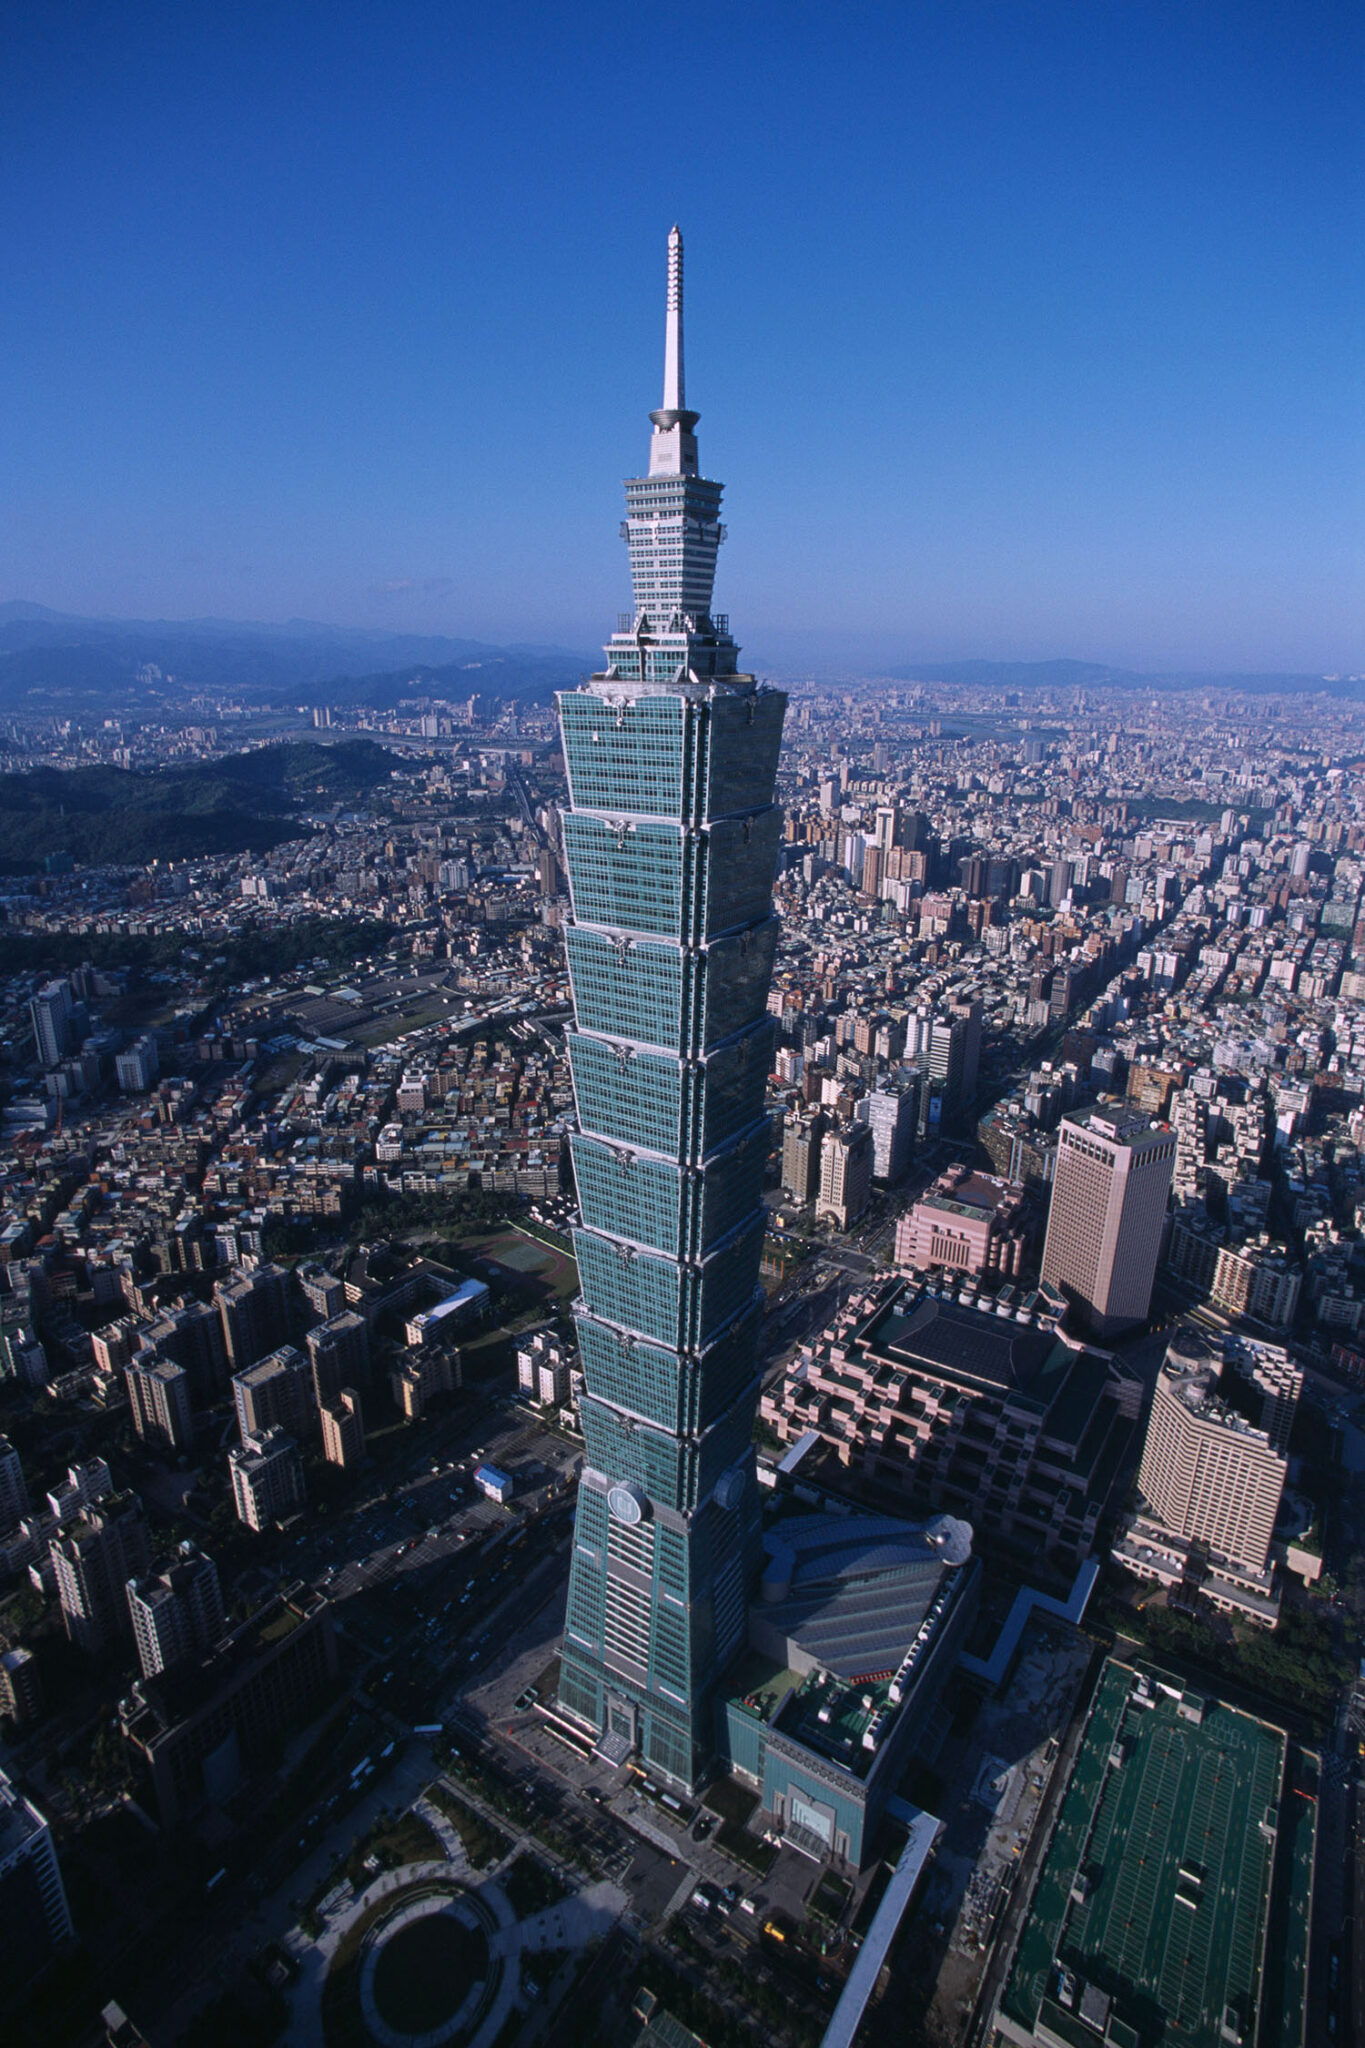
x=891, y=1112
x=1108, y=1209
x=50, y=1011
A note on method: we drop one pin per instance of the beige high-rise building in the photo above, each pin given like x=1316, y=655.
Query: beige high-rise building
x=1213, y=1471
x=801, y=1140
x=1256, y=1278
x=1217, y=1450
x=845, y=1175
x=267, y=1479
x=1108, y=1208
x=340, y=1353
x=255, y=1312
x=93, y=1559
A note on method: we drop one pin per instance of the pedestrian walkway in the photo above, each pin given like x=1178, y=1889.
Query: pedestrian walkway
x=447, y=1835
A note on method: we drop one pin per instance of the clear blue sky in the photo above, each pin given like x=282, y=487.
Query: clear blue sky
x=1016, y=329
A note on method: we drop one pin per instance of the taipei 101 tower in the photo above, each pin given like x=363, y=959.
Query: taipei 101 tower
x=671, y=844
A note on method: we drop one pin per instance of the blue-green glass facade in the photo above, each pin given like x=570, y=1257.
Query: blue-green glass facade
x=670, y=843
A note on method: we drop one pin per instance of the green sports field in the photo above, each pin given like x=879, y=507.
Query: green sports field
x=1156, y=1886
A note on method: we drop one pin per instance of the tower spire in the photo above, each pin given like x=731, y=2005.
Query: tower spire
x=673, y=445
x=673, y=328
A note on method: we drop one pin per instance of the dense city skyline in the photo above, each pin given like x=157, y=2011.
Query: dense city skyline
x=1022, y=334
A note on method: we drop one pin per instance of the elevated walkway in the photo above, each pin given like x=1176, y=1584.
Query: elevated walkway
x=991, y=1670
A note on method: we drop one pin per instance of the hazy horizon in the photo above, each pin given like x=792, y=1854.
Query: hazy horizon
x=822, y=656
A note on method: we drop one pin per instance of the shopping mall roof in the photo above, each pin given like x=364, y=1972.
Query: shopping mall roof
x=1158, y=1877
x=850, y=1592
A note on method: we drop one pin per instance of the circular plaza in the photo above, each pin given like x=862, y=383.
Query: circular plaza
x=427, y=1972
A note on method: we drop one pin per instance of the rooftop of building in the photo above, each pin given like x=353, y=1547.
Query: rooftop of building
x=762, y=1683
x=1118, y=1124
x=853, y=1590
x=1240, y=1391
x=830, y=1717
x=849, y=1603
x=923, y=1330
x=287, y=1358
x=661, y=2029
x=965, y=1193
x=158, y=1703
x=1157, y=1881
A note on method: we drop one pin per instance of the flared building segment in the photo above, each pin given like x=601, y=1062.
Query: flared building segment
x=671, y=841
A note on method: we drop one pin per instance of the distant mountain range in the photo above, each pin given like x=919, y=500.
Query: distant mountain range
x=1094, y=675
x=47, y=655
x=52, y=660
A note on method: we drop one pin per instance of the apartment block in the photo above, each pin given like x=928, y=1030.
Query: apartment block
x=177, y=1615
x=137, y=1066
x=199, y=1744
x=13, y=1489
x=324, y=1292
x=93, y=1560
x=1256, y=1278
x=255, y=1313
x=21, y=1687
x=339, y=1352
x=267, y=1478
x=33, y=1909
x=191, y=1335
x=343, y=1429
x=543, y=1370
x=159, y=1396
x=422, y=1376
x=51, y=1014
x=276, y=1393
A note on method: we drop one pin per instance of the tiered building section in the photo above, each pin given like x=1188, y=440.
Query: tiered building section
x=671, y=844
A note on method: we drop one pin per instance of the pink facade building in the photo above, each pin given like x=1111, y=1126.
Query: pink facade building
x=968, y=1222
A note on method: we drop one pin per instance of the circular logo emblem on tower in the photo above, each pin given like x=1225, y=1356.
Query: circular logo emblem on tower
x=730, y=1489
x=627, y=1502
